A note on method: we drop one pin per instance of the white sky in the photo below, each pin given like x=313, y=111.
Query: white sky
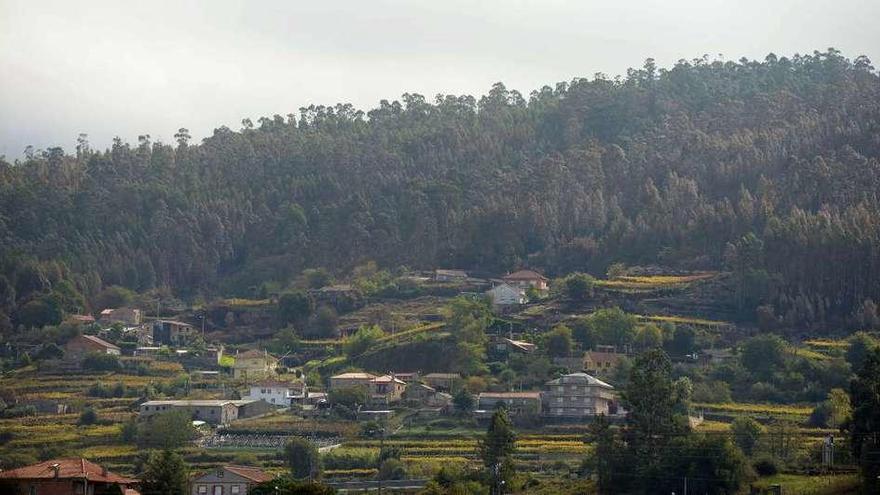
x=118, y=67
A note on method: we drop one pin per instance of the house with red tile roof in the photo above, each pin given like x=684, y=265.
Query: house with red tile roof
x=525, y=279
x=75, y=476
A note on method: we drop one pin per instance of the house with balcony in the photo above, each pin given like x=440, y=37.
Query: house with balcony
x=578, y=396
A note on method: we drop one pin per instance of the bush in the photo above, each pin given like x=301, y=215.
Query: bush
x=88, y=417
x=392, y=469
x=98, y=361
x=765, y=466
x=350, y=458
x=820, y=416
x=18, y=411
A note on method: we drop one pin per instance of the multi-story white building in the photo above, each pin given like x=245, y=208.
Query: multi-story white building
x=579, y=395
x=278, y=393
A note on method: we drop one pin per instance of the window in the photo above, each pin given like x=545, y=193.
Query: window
x=203, y=488
x=218, y=490
x=235, y=489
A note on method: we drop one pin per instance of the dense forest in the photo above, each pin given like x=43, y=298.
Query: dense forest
x=767, y=169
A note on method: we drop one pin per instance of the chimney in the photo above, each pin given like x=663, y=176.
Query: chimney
x=56, y=468
x=104, y=471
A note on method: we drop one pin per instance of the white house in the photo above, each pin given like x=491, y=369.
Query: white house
x=278, y=393
x=505, y=296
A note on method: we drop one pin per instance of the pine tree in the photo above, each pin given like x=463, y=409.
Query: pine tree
x=165, y=473
x=497, y=450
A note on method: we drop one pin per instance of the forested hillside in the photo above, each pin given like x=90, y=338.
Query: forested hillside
x=770, y=170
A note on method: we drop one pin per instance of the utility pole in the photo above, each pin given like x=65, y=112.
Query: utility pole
x=685, y=485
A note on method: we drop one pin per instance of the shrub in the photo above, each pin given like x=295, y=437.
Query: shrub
x=765, y=466
x=98, y=361
x=88, y=417
x=392, y=469
x=350, y=458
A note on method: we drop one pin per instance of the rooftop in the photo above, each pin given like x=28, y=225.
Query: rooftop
x=525, y=275
x=101, y=342
x=442, y=375
x=354, y=375
x=252, y=354
x=579, y=378
x=254, y=474
x=67, y=468
x=387, y=379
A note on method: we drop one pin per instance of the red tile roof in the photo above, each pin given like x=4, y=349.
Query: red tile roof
x=97, y=340
x=254, y=474
x=67, y=469
x=525, y=275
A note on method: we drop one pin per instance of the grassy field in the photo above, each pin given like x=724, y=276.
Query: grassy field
x=649, y=283
x=812, y=485
x=793, y=410
x=685, y=320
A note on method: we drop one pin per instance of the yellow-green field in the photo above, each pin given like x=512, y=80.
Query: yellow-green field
x=644, y=283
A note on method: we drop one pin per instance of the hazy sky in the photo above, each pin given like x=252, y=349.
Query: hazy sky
x=125, y=68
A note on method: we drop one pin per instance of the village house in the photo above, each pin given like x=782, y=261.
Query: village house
x=382, y=390
x=351, y=379
x=506, y=297
x=385, y=390
x=254, y=365
x=408, y=377
x=228, y=480
x=417, y=393
x=579, y=395
x=85, y=344
x=525, y=279
x=441, y=275
x=65, y=477
x=601, y=362
x=278, y=393
x=127, y=316
x=213, y=411
x=517, y=403
x=443, y=382
x=173, y=333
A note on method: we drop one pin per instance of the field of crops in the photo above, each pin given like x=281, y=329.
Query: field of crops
x=649, y=283
x=685, y=320
x=798, y=413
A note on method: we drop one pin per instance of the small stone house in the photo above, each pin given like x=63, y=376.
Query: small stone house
x=254, y=365
x=385, y=390
x=85, y=344
x=601, y=362
x=351, y=380
x=173, y=333
x=443, y=382
x=127, y=316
